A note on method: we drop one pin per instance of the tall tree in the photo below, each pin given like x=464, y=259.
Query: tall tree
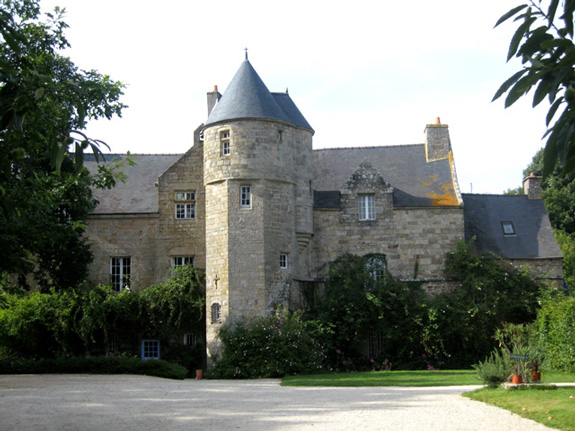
x=45, y=104
x=559, y=197
x=558, y=194
x=543, y=42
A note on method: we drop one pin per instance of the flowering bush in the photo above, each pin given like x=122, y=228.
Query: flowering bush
x=275, y=346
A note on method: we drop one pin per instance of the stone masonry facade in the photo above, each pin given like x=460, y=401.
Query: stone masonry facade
x=241, y=203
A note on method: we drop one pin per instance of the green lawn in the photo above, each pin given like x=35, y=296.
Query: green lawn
x=552, y=407
x=387, y=378
x=405, y=378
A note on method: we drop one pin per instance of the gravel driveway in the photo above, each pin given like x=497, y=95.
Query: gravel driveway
x=91, y=402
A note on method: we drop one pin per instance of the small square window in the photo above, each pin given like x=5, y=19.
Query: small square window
x=150, y=349
x=508, y=228
x=283, y=261
x=246, y=196
x=185, y=196
x=186, y=211
x=179, y=261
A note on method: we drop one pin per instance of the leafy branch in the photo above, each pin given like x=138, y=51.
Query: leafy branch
x=543, y=42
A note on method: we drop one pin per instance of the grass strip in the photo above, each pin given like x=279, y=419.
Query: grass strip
x=551, y=407
x=387, y=378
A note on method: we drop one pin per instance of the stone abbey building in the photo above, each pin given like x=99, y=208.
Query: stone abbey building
x=264, y=213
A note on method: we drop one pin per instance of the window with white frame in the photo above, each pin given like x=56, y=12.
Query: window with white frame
x=366, y=206
x=150, y=349
x=185, y=205
x=216, y=312
x=246, y=196
x=283, y=261
x=179, y=261
x=225, y=142
x=120, y=272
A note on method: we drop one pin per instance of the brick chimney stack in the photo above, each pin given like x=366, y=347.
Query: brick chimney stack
x=532, y=186
x=437, y=142
x=213, y=97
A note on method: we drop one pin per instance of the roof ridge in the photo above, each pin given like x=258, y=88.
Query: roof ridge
x=367, y=147
x=495, y=194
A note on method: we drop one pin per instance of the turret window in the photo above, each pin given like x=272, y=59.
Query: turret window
x=283, y=261
x=225, y=143
x=246, y=196
x=216, y=313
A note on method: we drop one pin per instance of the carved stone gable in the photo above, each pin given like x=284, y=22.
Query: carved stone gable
x=366, y=179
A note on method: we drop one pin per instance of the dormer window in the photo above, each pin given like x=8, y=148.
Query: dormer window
x=225, y=143
x=508, y=228
x=366, y=207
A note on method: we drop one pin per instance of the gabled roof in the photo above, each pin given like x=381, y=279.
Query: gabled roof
x=415, y=181
x=533, y=238
x=248, y=97
x=138, y=194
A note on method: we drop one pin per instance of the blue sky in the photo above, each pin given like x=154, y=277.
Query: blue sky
x=363, y=73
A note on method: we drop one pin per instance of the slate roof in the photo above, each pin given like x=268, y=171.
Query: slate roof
x=248, y=97
x=533, y=233
x=139, y=193
x=416, y=182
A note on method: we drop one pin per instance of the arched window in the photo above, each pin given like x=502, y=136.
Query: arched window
x=376, y=267
x=216, y=312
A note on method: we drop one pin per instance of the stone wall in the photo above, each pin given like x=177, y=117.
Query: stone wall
x=181, y=237
x=129, y=235
x=414, y=240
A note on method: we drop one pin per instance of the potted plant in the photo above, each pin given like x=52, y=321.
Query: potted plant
x=535, y=373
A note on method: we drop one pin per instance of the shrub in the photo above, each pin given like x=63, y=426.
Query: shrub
x=93, y=365
x=74, y=323
x=275, y=346
x=357, y=306
x=556, y=333
x=495, y=369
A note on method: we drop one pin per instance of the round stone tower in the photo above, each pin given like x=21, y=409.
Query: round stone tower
x=259, y=200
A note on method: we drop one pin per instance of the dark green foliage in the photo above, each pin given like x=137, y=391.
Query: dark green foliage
x=489, y=291
x=356, y=307
x=414, y=331
x=275, y=346
x=93, y=365
x=45, y=195
x=559, y=196
x=82, y=322
x=543, y=42
x=495, y=369
x=556, y=333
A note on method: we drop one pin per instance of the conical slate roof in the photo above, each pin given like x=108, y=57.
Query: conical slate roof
x=248, y=97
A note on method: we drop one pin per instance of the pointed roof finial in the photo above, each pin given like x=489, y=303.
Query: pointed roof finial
x=246, y=50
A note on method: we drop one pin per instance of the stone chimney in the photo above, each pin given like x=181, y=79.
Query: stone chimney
x=213, y=97
x=532, y=186
x=437, y=142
